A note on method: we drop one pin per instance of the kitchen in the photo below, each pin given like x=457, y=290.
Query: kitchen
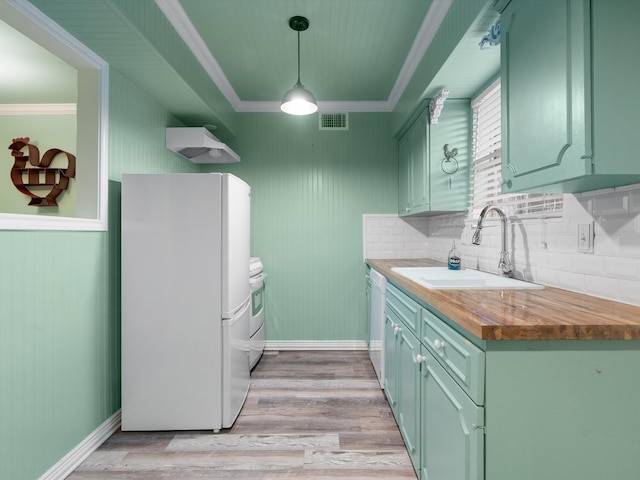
x=310, y=192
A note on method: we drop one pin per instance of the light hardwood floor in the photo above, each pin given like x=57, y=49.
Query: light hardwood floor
x=309, y=415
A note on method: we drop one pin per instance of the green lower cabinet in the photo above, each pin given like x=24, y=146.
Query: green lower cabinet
x=505, y=410
x=562, y=410
x=452, y=428
x=390, y=381
x=408, y=361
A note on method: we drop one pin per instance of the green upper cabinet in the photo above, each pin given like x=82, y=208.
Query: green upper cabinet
x=413, y=163
x=449, y=177
x=429, y=181
x=569, y=94
x=404, y=172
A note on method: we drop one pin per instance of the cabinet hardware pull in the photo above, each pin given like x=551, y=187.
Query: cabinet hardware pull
x=420, y=359
x=438, y=345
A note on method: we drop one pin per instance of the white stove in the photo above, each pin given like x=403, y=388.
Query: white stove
x=256, y=324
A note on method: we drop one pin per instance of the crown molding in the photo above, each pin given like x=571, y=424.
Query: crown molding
x=176, y=15
x=430, y=25
x=38, y=109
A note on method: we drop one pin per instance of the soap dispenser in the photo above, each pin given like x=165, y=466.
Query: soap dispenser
x=454, y=258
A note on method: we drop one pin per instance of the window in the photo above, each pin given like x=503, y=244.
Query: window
x=487, y=165
x=79, y=128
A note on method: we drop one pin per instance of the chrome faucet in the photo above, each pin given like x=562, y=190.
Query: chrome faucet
x=505, y=263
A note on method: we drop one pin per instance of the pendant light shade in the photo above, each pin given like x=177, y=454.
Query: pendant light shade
x=298, y=100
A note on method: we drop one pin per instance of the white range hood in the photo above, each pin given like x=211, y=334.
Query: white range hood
x=199, y=145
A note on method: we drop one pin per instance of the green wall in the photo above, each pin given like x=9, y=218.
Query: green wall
x=309, y=189
x=60, y=308
x=60, y=291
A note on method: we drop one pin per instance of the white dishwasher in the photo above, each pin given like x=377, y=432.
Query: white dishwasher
x=376, y=328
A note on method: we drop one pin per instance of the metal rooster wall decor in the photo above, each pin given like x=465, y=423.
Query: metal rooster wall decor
x=38, y=173
x=449, y=164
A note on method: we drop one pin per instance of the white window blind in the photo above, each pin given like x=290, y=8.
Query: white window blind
x=487, y=165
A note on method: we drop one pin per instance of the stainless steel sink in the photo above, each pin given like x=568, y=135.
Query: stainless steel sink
x=441, y=278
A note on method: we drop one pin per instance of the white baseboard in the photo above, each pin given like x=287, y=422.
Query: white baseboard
x=85, y=448
x=273, y=345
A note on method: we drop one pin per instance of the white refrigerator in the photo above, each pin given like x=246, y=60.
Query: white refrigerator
x=185, y=300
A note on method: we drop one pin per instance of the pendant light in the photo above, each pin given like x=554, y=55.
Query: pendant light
x=298, y=100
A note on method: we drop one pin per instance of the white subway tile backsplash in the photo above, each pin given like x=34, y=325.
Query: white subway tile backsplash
x=570, y=281
x=621, y=267
x=634, y=201
x=575, y=203
x=629, y=292
x=629, y=245
x=560, y=261
x=611, y=204
x=540, y=259
x=606, y=245
x=543, y=251
x=615, y=224
x=545, y=276
x=563, y=243
x=586, y=263
x=604, y=287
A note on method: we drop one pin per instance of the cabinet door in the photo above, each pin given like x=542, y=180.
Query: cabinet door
x=449, y=178
x=404, y=170
x=409, y=393
x=545, y=102
x=413, y=182
x=452, y=428
x=419, y=165
x=391, y=326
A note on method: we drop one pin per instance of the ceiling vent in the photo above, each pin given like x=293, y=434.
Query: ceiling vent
x=199, y=145
x=334, y=121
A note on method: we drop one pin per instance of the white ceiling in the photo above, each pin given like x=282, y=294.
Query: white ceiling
x=358, y=55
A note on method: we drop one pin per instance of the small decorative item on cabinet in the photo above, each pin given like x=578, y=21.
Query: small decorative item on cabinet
x=449, y=164
x=435, y=106
x=39, y=174
x=492, y=37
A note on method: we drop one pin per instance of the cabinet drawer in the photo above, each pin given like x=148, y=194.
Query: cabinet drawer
x=459, y=357
x=405, y=308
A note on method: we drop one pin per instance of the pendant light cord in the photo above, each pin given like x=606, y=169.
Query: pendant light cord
x=298, y=56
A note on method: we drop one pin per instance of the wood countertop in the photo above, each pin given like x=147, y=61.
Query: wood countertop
x=546, y=314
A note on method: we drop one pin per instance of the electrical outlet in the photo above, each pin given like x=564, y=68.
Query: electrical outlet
x=585, y=237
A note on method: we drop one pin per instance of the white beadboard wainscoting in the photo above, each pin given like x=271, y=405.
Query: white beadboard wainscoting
x=543, y=250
